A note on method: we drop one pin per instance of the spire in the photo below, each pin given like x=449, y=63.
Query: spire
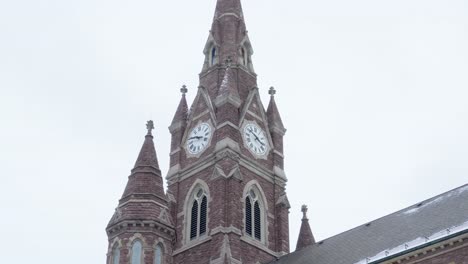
x=146, y=175
x=144, y=199
x=306, y=238
x=182, y=110
x=274, y=118
x=228, y=7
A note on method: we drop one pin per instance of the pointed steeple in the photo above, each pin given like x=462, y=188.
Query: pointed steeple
x=143, y=210
x=146, y=176
x=228, y=7
x=306, y=238
x=181, y=113
x=274, y=118
x=228, y=37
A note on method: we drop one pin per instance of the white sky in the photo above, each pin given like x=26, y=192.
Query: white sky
x=373, y=93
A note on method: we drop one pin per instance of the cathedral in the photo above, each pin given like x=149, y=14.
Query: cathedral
x=226, y=199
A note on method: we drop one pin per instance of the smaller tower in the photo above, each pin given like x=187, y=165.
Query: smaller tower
x=306, y=238
x=141, y=229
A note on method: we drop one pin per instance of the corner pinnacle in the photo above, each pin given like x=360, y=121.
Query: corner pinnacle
x=272, y=91
x=183, y=90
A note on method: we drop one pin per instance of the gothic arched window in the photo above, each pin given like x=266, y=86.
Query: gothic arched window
x=253, y=214
x=158, y=255
x=213, y=55
x=116, y=255
x=198, y=214
x=243, y=57
x=136, y=252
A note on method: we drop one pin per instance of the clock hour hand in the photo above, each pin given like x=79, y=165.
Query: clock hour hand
x=195, y=137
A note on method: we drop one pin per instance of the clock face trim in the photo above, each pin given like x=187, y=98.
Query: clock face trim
x=198, y=138
x=255, y=139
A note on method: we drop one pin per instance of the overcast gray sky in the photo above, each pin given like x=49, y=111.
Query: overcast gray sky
x=373, y=94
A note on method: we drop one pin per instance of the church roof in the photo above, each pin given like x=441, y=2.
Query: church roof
x=436, y=218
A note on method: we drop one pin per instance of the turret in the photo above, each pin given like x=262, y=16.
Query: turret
x=306, y=238
x=142, y=220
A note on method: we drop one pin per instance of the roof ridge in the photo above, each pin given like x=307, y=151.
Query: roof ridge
x=394, y=213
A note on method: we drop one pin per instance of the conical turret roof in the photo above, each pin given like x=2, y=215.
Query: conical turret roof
x=306, y=238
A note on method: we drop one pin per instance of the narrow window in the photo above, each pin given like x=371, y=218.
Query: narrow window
x=243, y=57
x=116, y=255
x=203, y=216
x=136, y=252
x=213, y=56
x=258, y=222
x=193, y=224
x=248, y=216
x=158, y=255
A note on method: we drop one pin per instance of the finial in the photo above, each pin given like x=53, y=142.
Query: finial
x=228, y=62
x=184, y=89
x=304, y=211
x=150, y=127
x=272, y=92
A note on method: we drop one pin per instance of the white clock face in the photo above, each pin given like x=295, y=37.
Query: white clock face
x=255, y=139
x=198, y=138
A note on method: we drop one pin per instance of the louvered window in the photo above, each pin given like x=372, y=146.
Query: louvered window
x=193, y=223
x=136, y=252
x=203, y=216
x=253, y=215
x=258, y=222
x=248, y=216
x=199, y=214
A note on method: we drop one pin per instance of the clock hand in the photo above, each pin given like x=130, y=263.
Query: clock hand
x=260, y=141
x=256, y=137
x=196, y=137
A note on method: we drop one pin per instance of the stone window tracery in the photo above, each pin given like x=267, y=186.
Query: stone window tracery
x=253, y=214
x=198, y=214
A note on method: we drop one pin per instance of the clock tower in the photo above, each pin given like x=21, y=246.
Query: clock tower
x=226, y=183
x=226, y=200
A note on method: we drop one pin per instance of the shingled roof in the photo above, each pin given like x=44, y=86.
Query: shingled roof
x=441, y=216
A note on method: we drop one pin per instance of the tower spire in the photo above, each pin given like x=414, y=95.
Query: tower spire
x=224, y=7
x=306, y=238
x=146, y=176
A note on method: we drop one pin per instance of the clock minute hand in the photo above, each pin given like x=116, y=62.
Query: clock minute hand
x=196, y=137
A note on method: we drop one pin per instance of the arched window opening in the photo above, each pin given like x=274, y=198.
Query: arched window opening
x=253, y=215
x=116, y=255
x=243, y=57
x=136, y=252
x=158, y=255
x=193, y=224
x=198, y=217
x=213, y=56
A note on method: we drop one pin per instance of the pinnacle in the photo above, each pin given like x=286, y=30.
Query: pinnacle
x=274, y=118
x=182, y=110
x=306, y=238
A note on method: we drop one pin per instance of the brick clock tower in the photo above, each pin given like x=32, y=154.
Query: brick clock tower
x=226, y=199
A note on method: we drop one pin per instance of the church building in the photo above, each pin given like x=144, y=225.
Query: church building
x=226, y=199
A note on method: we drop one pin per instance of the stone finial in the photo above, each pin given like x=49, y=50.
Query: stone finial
x=150, y=127
x=184, y=89
x=272, y=91
x=304, y=211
